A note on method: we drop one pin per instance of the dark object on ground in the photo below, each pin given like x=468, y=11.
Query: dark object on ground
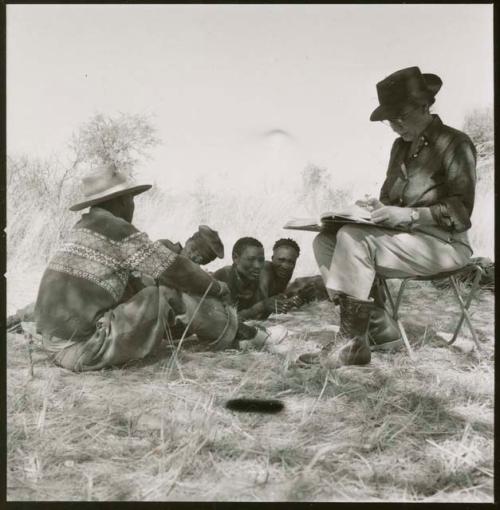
x=255, y=405
x=308, y=288
x=487, y=279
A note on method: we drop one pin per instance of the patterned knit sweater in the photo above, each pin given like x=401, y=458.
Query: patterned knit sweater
x=90, y=271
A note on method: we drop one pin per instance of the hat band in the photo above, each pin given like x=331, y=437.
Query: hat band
x=114, y=189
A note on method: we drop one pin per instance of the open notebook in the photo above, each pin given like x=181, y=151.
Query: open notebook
x=351, y=214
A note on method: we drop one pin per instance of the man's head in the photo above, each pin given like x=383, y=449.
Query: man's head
x=285, y=255
x=122, y=206
x=110, y=189
x=248, y=257
x=204, y=246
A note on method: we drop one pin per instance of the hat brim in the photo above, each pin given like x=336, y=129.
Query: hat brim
x=383, y=112
x=134, y=190
x=214, y=244
x=218, y=251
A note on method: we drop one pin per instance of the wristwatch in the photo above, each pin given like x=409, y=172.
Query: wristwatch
x=414, y=217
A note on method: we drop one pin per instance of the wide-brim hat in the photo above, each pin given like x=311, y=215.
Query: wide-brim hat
x=406, y=86
x=105, y=183
x=212, y=239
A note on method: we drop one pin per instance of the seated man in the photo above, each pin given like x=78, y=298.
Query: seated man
x=243, y=279
x=202, y=247
x=86, y=314
x=276, y=275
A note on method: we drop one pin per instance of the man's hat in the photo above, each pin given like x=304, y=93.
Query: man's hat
x=405, y=86
x=212, y=239
x=105, y=183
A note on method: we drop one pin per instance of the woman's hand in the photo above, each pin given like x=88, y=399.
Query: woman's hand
x=369, y=203
x=391, y=215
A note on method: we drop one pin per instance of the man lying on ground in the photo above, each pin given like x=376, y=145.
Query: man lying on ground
x=202, y=247
x=258, y=287
x=87, y=315
x=276, y=275
x=243, y=280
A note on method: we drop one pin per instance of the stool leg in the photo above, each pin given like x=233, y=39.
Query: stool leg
x=405, y=338
x=391, y=300
x=465, y=306
x=395, y=311
x=400, y=296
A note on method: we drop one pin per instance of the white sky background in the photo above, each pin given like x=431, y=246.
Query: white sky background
x=241, y=94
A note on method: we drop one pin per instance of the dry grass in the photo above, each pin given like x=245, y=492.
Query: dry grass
x=396, y=430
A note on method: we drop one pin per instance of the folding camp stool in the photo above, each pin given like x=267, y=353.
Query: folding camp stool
x=464, y=302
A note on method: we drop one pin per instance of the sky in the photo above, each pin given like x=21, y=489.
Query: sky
x=241, y=95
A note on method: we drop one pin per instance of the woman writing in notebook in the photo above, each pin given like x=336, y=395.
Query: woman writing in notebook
x=422, y=215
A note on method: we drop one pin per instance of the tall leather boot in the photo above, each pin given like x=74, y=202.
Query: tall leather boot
x=383, y=332
x=354, y=323
x=355, y=320
x=378, y=296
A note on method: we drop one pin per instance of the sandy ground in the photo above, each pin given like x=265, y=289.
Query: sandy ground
x=399, y=429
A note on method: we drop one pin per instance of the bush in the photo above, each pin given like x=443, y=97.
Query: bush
x=318, y=195
x=39, y=192
x=478, y=125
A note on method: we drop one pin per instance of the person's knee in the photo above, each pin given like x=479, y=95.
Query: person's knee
x=171, y=303
x=350, y=234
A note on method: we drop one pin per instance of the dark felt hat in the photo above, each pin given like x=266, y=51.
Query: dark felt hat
x=406, y=86
x=212, y=239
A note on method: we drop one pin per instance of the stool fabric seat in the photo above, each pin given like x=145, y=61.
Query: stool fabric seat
x=463, y=301
x=438, y=276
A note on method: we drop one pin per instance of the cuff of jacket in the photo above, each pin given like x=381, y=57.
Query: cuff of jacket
x=186, y=276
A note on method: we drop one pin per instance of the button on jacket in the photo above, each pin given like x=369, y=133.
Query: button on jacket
x=440, y=174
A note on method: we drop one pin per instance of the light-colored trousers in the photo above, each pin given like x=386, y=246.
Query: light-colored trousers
x=349, y=260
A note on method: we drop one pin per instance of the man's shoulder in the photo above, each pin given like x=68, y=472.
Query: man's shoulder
x=223, y=273
x=267, y=270
x=106, y=224
x=267, y=265
x=175, y=247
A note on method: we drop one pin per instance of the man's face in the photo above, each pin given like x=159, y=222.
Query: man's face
x=198, y=252
x=284, y=259
x=250, y=262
